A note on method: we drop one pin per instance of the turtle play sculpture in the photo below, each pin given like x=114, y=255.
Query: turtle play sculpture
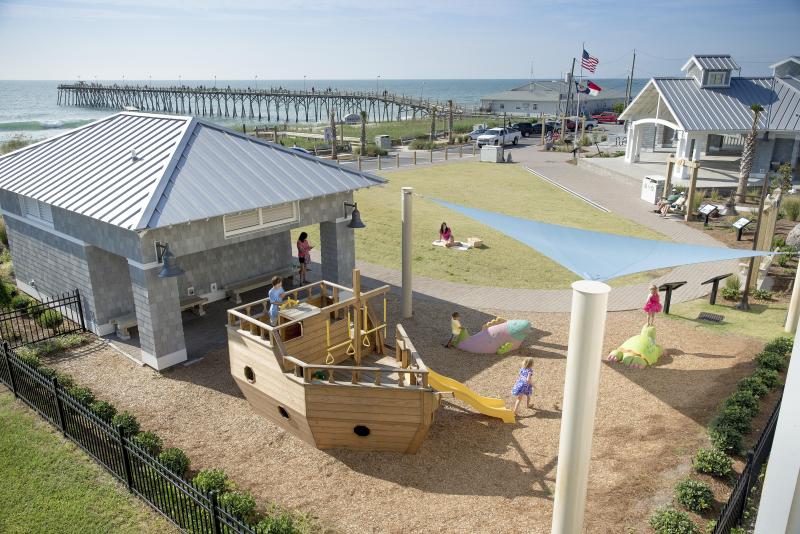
x=638, y=351
x=498, y=336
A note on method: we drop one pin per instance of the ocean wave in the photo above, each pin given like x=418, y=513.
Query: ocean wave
x=42, y=125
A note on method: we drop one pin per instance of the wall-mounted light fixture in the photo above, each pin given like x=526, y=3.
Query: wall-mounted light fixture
x=166, y=257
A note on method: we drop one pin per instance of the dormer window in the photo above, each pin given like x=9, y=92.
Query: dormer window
x=717, y=77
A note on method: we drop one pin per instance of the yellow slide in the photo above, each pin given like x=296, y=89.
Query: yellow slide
x=486, y=405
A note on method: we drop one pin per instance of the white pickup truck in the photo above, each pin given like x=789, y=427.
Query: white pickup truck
x=499, y=137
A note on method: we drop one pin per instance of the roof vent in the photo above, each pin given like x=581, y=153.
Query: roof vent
x=134, y=157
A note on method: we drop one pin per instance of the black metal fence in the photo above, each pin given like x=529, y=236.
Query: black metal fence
x=38, y=321
x=186, y=506
x=733, y=512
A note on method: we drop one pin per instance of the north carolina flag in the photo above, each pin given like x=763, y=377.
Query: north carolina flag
x=594, y=89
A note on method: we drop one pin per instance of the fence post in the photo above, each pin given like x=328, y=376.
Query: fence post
x=379, y=162
x=446, y=150
x=473, y=149
x=80, y=309
x=59, y=406
x=461, y=150
x=126, y=461
x=10, y=369
x=431, y=156
x=397, y=159
x=214, y=513
x=415, y=156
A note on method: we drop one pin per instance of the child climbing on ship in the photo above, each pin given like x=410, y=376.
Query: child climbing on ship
x=455, y=330
x=653, y=305
x=523, y=387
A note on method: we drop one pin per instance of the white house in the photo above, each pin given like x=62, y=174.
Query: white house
x=707, y=111
x=550, y=97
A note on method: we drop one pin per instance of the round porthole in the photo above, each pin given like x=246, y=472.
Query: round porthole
x=249, y=374
x=283, y=412
x=361, y=430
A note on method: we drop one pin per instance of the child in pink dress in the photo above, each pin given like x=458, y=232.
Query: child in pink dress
x=653, y=305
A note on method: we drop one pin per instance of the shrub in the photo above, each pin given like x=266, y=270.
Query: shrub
x=34, y=309
x=5, y=296
x=743, y=399
x=82, y=395
x=209, y=480
x=20, y=302
x=3, y=233
x=104, y=410
x=278, y=523
x=783, y=260
x=694, y=495
x=65, y=380
x=149, y=441
x=30, y=358
x=726, y=439
x=421, y=144
x=47, y=372
x=618, y=108
x=732, y=290
x=781, y=345
x=713, y=462
x=761, y=294
x=128, y=423
x=754, y=385
x=768, y=377
x=778, y=242
x=240, y=503
x=792, y=208
x=50, y=318
x=733, y=416
x=769, y=359
x=671, y=521
x=175, y=460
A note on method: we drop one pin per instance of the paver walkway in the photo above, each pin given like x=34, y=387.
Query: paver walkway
x=620, y=197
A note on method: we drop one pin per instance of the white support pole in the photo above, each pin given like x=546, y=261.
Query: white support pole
x=405, y=304
x=794, y=306
x=584, y=354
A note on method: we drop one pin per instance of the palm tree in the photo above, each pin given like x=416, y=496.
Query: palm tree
x=748, y=154
x=363, y=133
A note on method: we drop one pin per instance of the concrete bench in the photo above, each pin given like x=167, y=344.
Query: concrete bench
x=235, y=289
x=194, y=303
x=124, y=324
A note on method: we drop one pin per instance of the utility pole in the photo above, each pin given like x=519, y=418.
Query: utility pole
x=569, y=101
x=629, y=85
x=333, y=134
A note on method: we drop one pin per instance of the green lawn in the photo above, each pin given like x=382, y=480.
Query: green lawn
x=504, y=188
x=49, y=485
x=764, y=321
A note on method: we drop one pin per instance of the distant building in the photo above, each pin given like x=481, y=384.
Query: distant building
x=707, y=111
x=550, y=97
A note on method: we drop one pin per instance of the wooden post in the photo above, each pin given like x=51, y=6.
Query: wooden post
x=668, y=177
x=446, y=147
x=460, y=150
x=359, y=162
x=379, y=162
x=433, y=125
x=450, y=121
x=405, y=252
x=542, y=122
x=431, y=156
x=414, y=152
x=357, y=316
x=474, y=145
x=397, y=159
x=695, y=166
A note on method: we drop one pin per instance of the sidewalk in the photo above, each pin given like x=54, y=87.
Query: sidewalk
x=617, y=196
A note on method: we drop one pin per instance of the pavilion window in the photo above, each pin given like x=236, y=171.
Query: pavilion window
x=258, y=219
x=33, y=209
x=717, y=77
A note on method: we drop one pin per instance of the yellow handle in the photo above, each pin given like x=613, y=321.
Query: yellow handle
x=350, y=350
x=329, y=359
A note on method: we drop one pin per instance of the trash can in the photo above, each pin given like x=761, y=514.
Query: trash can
x=383, y=141
x=653, y=188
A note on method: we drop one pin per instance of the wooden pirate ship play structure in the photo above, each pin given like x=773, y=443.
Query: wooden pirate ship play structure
x=322, y=373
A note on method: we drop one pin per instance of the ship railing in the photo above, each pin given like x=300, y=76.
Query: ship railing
x=326, y=374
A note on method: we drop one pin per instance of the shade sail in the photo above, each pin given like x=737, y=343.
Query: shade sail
x=599, y=255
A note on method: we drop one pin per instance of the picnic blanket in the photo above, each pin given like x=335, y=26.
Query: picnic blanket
x=440, y=243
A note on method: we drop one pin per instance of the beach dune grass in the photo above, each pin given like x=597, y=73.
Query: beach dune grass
x=504, y=262
x=49, y=485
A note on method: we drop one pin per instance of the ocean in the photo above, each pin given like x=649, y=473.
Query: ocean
x=29, y=108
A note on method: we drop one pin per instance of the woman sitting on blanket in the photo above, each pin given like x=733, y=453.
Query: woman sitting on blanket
x=446, y=236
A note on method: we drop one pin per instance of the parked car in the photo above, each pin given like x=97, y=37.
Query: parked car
x=570, y=124
x=474, y=134
x=499, y=137
x=525, y=128
x=537, y=128
x=607, y=117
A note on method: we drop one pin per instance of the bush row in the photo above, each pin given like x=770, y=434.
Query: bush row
x=726, y=430
x=12, y=299
x=237, y=502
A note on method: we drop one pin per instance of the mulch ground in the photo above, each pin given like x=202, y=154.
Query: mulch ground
x=473, y=473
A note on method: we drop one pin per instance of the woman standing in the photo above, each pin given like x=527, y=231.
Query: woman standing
x=303, y=255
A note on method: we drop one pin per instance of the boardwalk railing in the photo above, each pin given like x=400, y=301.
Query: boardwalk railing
x=733, y=512
x=39, y=321
x=182, y=503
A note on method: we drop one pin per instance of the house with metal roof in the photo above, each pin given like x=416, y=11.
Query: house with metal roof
x=707, y=112
x=97, y=207
x=550, y=98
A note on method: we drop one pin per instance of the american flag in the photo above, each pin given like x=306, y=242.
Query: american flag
x=588, y=62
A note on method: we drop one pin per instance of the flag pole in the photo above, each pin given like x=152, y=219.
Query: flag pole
x=580, y=80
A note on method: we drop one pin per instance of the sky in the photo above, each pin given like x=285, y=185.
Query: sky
x=361, y=39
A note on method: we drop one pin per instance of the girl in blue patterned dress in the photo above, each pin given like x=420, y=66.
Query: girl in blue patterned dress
x=523, y=386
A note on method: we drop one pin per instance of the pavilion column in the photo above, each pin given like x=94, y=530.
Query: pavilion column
x=632, y=146
x=584, y=356
x=699, y=147
x=158, y=317
x=338, y=245
x=682, y=153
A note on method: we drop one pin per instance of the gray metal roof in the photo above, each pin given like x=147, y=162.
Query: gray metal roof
x=185, y=169
x=715, y=109
x=784, y=114
x=551, y=90
x=715, y=62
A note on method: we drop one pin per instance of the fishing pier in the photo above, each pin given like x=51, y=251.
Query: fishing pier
x=269, y=104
